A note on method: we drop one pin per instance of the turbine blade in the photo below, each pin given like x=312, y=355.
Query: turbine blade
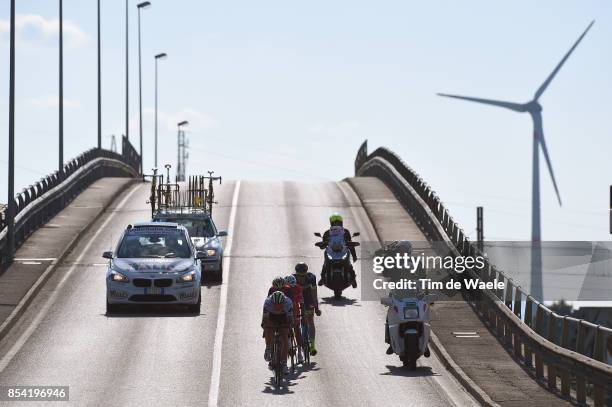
x=543, y=87
x=517, y=107
x=540, y=135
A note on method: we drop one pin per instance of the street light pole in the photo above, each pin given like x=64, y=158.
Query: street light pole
x=61, y=88
x=157, y=58
x=127, y=71
x=140, y=6
x=10, y=214
x=99, y=84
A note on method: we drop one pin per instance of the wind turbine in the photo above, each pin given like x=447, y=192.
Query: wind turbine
x=534, y=108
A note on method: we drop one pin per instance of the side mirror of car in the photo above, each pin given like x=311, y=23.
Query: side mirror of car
x=108, y=255
x=356, y=234
x=222, y=233
x=201, y=255
x=317, y=234
x=386, y=301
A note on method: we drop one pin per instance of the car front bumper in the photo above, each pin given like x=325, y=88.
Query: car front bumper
x=211, y=265
x=126, y=293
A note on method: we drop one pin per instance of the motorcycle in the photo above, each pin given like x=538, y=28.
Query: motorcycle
x=338, y=258
x=407, y=327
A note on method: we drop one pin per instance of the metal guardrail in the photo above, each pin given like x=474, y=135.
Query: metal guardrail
x=569, y=353
x=39, y=202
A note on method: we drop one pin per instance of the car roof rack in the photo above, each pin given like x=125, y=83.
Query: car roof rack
x=193, y=197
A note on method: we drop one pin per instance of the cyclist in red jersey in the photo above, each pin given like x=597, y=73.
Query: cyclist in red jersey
x=294, y=293
x=298, y=302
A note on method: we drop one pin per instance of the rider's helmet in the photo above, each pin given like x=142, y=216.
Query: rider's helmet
x=301, y=268
x=335, y=219
x=291, y=281
x=278, y=282
x=277, y=297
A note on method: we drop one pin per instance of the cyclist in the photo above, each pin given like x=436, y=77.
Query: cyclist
x=277, y=314
x=308, y=282
x=294, y=291
x=336, y=221
x=298, y=304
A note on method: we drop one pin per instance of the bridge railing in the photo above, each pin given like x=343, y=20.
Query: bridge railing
x=570, y=352
x=39, y=202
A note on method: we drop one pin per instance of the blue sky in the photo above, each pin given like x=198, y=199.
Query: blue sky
x=279, y=90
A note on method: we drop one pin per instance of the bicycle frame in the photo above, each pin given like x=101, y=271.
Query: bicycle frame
x=276, y=359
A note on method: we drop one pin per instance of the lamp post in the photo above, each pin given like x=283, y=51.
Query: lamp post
x=10, y=213
x=61, y=89
x=99, y=84
x=143, y=5
x=127, y=71
x=157, y=58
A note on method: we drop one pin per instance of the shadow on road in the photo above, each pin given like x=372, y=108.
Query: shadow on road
x=342, y=302
x=421, y=371
x=132, y=311
x=290, y=379
x=285, y=389
x=210, y=282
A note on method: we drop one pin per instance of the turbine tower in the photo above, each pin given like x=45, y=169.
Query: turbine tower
x=534, y=109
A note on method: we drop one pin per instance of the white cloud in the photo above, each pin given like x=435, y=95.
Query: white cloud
x=198, y=121
x=52, y=102
x=34, y=29
x=333, y=129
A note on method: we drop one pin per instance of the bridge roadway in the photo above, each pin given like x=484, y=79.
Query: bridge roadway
x=164, y=357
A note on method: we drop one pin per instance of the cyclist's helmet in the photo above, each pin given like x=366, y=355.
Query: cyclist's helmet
x=291, y=281
x=335, y=219
x=278, y=282
x=278, y=297
x=301, y=268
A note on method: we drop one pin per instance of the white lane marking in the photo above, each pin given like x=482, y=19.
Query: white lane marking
x=6, y=359
x=213, y=392
x=36, y=259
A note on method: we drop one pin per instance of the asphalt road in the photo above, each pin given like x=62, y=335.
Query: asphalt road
x=158, y=356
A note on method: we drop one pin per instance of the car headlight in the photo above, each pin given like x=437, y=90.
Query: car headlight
x=118, y=277
x=328, y=256
x=345, y=256
x=187, y=278
x=411, y=313
x=211, y=252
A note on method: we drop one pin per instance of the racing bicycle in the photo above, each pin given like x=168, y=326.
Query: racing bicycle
x=276, y=359
x=305, y=339
x=292, y=349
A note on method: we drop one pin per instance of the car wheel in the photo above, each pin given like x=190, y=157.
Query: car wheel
x=111, y=308
x=220, y=272
x=195, y=308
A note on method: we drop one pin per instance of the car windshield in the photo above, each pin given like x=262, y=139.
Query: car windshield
x=197, y=227
x=154, y=243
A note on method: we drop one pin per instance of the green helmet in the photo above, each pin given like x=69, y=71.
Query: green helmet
x=335, y=218
x=278, y=282
x=278, y=297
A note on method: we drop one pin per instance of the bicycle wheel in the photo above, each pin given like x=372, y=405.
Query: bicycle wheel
x=305, y=343
x=278, y=367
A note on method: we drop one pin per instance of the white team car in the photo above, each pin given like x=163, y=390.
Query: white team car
x=204, y=236
x=154, y=263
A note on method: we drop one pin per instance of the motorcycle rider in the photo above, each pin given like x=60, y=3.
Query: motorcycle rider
x=277, y=313
x=308, y=282
x=335, y=220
